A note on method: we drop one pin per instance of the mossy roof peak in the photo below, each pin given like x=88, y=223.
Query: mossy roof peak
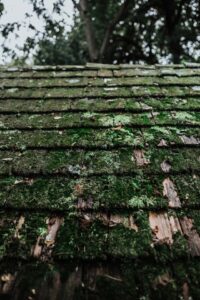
x=107, y=152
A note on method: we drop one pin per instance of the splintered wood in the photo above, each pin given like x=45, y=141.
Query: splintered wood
x=170, y=192
x=163, y=280
x=192, y=235
x=44, y=244
x=53, y=226
x=19, y=226
x=6, y=283
x=165, y=166
x=110, y=221
x=140, y=158
x=190, y=140
x=85, y=204
x=164, y=227
x=127, y=222
x=162, y=143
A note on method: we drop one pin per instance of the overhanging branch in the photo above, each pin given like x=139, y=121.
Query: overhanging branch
x=76, y=5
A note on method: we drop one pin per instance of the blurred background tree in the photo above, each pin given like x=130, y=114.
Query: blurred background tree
x=111, y=31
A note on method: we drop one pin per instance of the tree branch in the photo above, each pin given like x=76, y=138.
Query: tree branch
x=122, y=10
x=82, y=6
x=76, y=5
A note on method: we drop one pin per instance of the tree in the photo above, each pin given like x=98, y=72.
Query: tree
x=62, y=51
x=109, y=31
x=143, y=30
x=1, y=8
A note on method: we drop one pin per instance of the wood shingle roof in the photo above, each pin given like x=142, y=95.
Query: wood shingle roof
x=100, y=161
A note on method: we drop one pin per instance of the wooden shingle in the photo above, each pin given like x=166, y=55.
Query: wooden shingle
x=101, y=162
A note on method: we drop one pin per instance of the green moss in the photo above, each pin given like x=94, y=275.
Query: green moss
x=107, y=191
x=180, y=246
x=93, y=240
x=171, y=135
x=69, y=120
x=170, y=103
x=20, y=245
x=67, y=241
x=88, y=166
x=98, y=91
x=187, y=188
x=79, y=137
x=180, y=159
x=145, y=201
x=126, y=242
x=81, y=81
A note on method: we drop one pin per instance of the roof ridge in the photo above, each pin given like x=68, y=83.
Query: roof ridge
x=98, y=66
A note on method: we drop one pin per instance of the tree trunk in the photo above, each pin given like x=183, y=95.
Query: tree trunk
x=89, y=31
x=172, y=17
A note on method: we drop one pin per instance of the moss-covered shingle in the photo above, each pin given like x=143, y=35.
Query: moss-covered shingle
x=101, y=162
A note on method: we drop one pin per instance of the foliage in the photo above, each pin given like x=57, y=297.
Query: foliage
x=1, y=8
x=111, y=31
x=62, y=51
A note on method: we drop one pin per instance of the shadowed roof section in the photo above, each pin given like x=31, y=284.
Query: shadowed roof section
x=100, y=162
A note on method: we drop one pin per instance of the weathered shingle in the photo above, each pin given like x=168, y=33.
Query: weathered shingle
x=101, y=162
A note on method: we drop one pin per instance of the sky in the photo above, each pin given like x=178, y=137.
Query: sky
x=15, y=12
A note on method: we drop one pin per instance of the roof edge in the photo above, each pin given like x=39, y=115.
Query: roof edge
x=97, y=66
